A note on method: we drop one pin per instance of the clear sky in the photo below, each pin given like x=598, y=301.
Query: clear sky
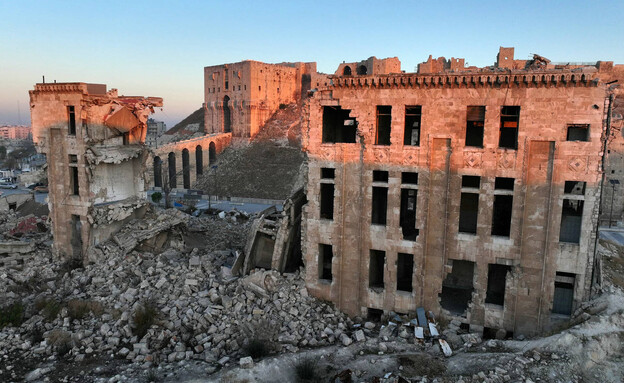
x=159, y=48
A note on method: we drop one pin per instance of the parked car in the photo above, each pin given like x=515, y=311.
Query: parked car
x=5, y=185
x=33, y=186
x=41, y=189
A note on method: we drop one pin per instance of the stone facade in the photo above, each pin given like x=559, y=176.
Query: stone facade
x=94, y=143
x=241, y=97
x=472, y=193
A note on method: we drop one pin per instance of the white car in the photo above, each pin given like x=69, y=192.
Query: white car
x=5, y=185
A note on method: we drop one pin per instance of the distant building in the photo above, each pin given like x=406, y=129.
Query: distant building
x=15, y=132
x=155, y=129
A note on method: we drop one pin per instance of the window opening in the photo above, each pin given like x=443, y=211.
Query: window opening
x=380, y=176
x=409, y=178
x=405, y=270
x=563, y=299
x=475, y=122
x=409, y=198
x=186, y=169
x=503, y=206
x=380, y=205
x=327, y=201
x=361, y=70
x=326, y=255
x=338, y=127
x=71, y=120
x=374, y=315
x=171, y=163
x=471, y=182
x=157, y=172
x=376, y=269
x=468, y=213
x=411, y=135
x=504, y=183
x=571, y=219
x=574, y=187
x=346, y=71
x=328, y=173
x=384, y=122
x=457, y=287
x=510, y=117
x=578, y=132
x=74, y=184
x=497, y=276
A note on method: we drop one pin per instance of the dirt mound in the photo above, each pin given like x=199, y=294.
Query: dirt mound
x=197, y=117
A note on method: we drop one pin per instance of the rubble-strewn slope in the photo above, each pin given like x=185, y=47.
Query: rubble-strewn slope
x=268, y=167
x=197, y=117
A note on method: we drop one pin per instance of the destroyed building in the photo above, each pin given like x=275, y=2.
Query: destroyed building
x=472, y=192
x=241, y=97
x=94, y=143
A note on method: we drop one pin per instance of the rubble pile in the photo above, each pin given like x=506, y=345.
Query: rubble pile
x=20, y=237
x=179, y=305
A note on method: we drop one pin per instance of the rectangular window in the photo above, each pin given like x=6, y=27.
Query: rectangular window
x=405, y=270
x=409, y=178
x=380, y=205
x=380, y=176
x=327, y=201
x=578, y=132
x=563, y=298
x=510, y=118
x=497, y=275
x=411, y=135
x=574, y=187
x=328, y=173
x=71, y=120
x=376, y=269
x=384, y=122
x=338, y=127
x=473, y=182
x=571, y=218
x=503, y=203
x=468, y=213
x=74, y=185
x=475, y=122
x=326, y=255
x=407, y=217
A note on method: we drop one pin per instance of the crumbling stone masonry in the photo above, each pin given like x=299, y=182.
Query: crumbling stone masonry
x=94, y=143
x=473, y=192
x=241, y=97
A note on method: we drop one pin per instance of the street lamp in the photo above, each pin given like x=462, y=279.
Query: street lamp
x=613, y=183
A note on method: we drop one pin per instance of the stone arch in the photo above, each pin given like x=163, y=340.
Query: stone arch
x=199, y=160
x=362, y=69
x=346, y=71
x=186, y=169
x=157, y=172
x=227, y=118
x=172, y=170
x=212, y=152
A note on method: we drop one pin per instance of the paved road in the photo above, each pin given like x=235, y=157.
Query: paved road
x=613, y=235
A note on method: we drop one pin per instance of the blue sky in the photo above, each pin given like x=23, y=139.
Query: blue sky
x=159, y=48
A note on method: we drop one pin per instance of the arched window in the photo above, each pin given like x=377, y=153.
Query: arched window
x=199, y=160
x=172, y=170
x=346, y=71
x=361, y=69
x=227, y=121
x=157, y=172
x=212, y=152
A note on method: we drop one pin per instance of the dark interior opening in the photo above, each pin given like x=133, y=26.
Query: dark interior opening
x=471, y=182
x=501, y=215
x=410, y=178
x=405, y=270
x=76, y=236
x=457, y=287
x=504, y=183
x=578, y=132
x=325, y=261
x=489, y=333
x=411, y=135
x=571, y=219
x=407, y=217
x=468, y=212
x=563, y=298
x=227, y=118
x=497, y=275
x=475, y=122
x=75, y=184
x=327, y=201
x=380, y=203
x=465, y=327
x=328, y=173
x=362, y=70
x=380, y=176
x=384, y=122
x=574, y=187
x=374, y=315
x=172, y=170
x=338, y=127
x=186, y=169
x=510, y=117
x=13, y=206
x=376, y=269
x=157, y=172
x=199, y=160
x=346, y=71
x=71, y=117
